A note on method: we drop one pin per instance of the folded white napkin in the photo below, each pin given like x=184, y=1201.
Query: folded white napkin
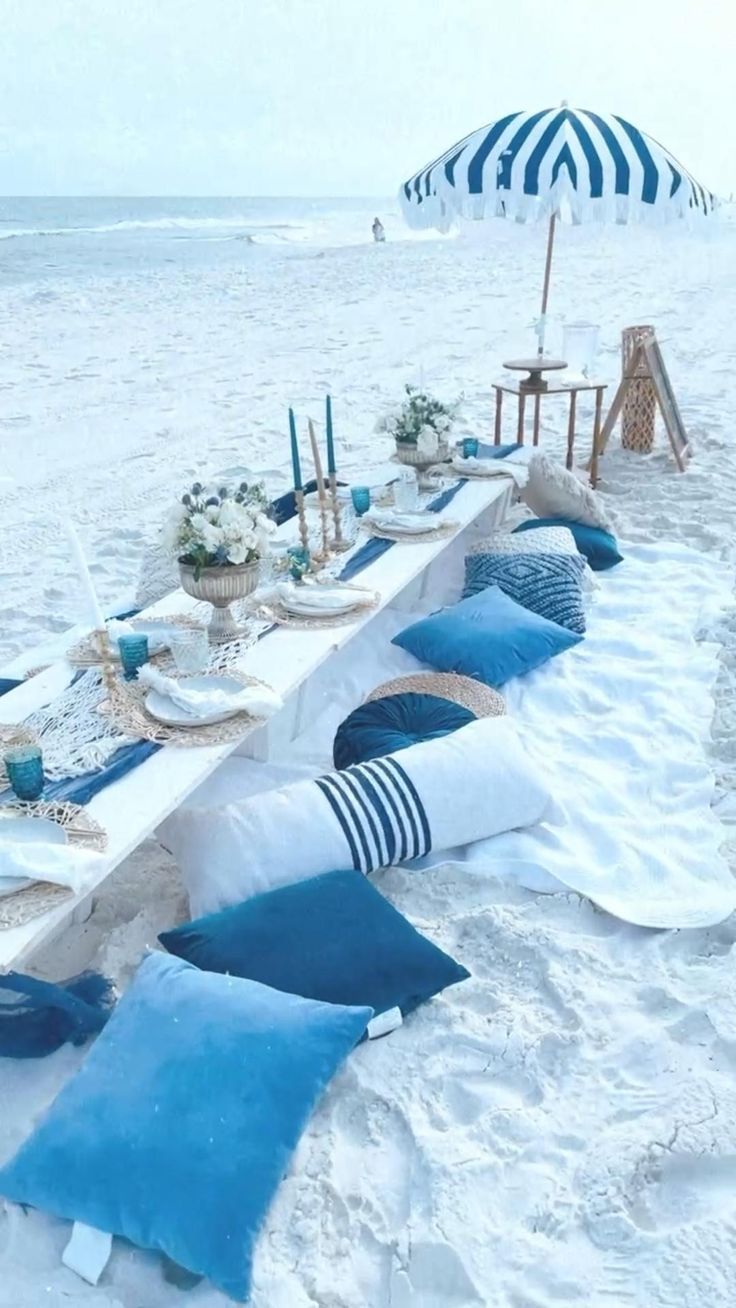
x=393, y=520
x=60, y=864
x=319, y=599
x=258, y=701
x=493, y=468
x=156, y=642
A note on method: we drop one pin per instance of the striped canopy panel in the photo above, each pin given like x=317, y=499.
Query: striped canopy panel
x=572, y=162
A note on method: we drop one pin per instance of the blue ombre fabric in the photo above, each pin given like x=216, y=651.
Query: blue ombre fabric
x=180, y=1124
x=37, y=1017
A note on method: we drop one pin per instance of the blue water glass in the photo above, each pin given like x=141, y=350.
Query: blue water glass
x=133, y=654
x=470, y=448
x=24, y=766
x=361, y=497
x=298, y=561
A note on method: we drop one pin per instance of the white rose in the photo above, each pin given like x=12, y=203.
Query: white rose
x=212, y=538
x=198, y=523
x=237, y=552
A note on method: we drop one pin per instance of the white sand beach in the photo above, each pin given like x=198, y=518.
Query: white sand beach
x=560, y=1129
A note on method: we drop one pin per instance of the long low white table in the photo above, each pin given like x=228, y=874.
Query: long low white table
x=132, y=808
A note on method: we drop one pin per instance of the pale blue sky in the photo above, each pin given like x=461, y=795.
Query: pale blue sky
x=337, y=97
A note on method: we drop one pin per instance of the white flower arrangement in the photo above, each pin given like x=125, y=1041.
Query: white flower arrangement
x=219, y=528
x=422, y=421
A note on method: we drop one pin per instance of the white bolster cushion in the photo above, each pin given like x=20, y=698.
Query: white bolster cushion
x=474, y=783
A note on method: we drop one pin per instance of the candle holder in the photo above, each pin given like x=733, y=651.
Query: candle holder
x=470, y=447
x=107, y=663
x=320, y=556
x=303, y=529
x=339, y=543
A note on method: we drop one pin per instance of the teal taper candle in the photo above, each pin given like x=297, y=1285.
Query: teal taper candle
x=295, y=452
x=330, y=443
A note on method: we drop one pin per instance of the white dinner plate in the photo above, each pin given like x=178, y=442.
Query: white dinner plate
x=306, y=605
x=408, y=524
x=28, y=830
x=478, y=467
x=165, y=710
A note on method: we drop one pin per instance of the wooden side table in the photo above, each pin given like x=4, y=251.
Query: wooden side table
x=524, y=393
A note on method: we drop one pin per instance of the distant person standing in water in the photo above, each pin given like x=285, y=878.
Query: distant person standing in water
x=377, y=229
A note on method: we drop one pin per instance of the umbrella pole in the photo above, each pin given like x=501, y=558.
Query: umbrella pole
x=545, y=289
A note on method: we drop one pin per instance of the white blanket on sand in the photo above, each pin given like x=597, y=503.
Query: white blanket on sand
x=619, y=724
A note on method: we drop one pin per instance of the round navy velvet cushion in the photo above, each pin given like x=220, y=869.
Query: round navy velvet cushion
x=384, y=726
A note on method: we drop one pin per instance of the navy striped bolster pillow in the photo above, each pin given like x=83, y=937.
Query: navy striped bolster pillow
x=476, y=782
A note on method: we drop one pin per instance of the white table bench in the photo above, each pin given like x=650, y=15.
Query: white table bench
x=132, y=808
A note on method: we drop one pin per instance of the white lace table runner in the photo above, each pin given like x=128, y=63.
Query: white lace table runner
x=74, y=737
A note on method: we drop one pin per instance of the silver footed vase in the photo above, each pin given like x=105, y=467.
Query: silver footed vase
x=409, y=455
x=219, y=587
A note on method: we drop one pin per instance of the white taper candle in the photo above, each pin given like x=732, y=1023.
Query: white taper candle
x=75, y=545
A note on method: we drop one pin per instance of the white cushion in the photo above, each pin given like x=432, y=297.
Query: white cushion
x=553, y=492
x=474, y=783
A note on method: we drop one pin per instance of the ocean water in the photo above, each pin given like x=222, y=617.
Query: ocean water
x=47, y=238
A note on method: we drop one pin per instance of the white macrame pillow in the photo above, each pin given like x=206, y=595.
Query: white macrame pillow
x=553, y=492
x=545, y=540
x=476, y=782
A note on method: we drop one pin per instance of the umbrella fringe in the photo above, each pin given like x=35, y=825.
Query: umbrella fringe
x=443, y=208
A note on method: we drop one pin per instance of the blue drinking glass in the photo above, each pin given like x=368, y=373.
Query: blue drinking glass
x=361, y=497
x=470, y=448
x=24, y=766
x=133, y=654
x=298, y=556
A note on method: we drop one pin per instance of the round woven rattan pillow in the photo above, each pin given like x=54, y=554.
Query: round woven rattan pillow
x=473, y=695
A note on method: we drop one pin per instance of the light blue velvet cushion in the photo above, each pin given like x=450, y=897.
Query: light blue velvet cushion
x=486, y=636
x=333, y=938
x=548, y=584
x=181, y=1122
x=599, y=547
x=384, y=726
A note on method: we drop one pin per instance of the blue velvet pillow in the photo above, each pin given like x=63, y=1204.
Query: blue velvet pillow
x=599, y=547
x=548, y=584
x=383, y=726
x=179, y=1125
x=333, y=938
x=486, y=636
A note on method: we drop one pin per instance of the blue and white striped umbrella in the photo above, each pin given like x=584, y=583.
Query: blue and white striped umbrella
x=551, y=163
x=557, y=163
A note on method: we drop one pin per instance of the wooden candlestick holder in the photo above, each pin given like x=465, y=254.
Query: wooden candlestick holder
x=339, y=543
x=303, y=532
x=109, y=671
